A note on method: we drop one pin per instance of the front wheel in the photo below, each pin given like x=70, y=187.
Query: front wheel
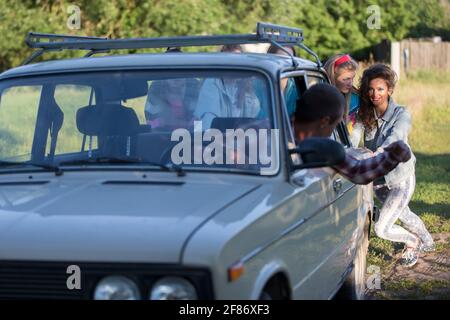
x=275, y=289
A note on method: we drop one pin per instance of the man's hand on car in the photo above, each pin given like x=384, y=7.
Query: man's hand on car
x=399, y=150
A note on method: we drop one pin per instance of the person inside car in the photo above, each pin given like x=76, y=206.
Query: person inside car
x=227, y=96
x=287, y=84
x=170, y=102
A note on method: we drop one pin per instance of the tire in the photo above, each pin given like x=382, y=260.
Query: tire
x=265, y=296
x=354, y=286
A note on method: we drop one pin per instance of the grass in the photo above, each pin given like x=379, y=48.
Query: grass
x=426, y=96
x=430, y=77
x=430, y=138
x=15, y=138
x=410, y=289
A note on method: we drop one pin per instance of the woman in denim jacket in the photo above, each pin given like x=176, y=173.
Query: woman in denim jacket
x=382, y=121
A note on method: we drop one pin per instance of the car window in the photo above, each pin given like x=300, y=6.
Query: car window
x=140, y=114
x=312, y=79
x=341, y=135
x=335, y=136
x=292, y=88
x=301, y=83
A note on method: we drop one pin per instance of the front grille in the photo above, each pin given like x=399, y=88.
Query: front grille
x=48, y=280
x=25, y=280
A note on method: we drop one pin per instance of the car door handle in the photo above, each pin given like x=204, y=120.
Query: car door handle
x=337, y=185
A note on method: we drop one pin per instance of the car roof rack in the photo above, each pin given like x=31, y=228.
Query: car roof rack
x=265, y=33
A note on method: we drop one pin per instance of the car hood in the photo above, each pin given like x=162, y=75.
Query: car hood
x=122, y=221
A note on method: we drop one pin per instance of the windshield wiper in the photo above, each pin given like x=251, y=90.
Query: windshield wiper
x=57, y=170
x=112, y=160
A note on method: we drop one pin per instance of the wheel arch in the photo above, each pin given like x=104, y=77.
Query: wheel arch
x=274, y=271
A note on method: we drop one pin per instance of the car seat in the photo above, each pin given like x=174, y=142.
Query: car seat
x=114, y=125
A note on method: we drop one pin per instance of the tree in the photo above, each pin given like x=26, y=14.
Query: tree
x=329, y=26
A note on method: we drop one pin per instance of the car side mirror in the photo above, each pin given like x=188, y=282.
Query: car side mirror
x=319, y=152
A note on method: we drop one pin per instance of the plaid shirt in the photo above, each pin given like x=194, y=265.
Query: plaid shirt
x=366, y=170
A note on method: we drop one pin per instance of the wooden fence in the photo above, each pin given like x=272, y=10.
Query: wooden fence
x=412, y=55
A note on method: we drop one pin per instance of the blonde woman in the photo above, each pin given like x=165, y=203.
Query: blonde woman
x=341, y=70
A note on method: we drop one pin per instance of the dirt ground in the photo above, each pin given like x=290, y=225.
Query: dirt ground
x=428, y=279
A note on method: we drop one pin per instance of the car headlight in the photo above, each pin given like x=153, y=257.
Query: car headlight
x=173, y=288
x=116, y=288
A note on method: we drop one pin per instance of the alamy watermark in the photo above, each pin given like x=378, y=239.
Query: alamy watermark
x=373, y=282
x=235, y=147
x=374, y=20
x=74, y=20
x=74, y=279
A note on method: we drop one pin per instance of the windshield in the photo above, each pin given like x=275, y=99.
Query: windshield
x=203, y=119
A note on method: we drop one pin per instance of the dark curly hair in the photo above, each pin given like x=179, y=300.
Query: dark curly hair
x=366, y=112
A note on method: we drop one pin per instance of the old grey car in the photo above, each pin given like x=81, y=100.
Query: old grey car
x=118, y=179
